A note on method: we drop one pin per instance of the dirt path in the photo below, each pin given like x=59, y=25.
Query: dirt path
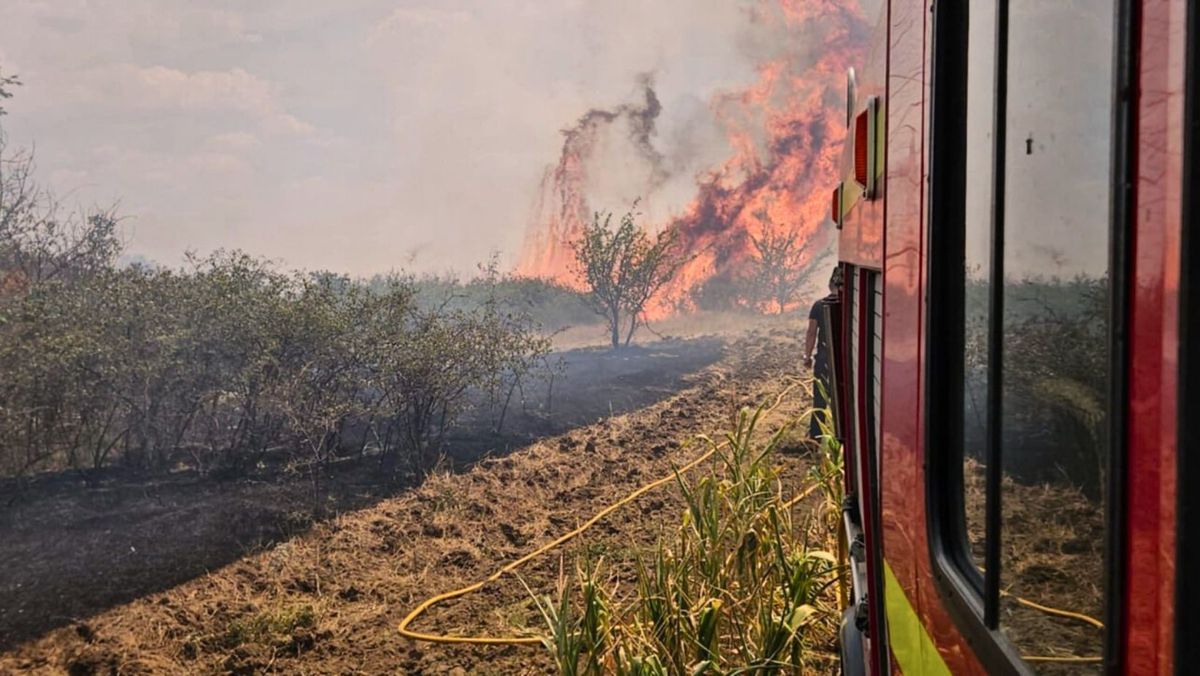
x=328, y=601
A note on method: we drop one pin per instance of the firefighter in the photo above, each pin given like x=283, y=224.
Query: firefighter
x=815, y=338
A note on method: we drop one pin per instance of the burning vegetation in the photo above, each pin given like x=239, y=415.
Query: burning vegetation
x=229, y=467
x=784, y=136
x=623, y=269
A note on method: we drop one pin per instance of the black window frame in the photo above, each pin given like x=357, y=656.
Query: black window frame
x=1187, y=541
x=863, y=322
x=861, y=318
x=971, y=598
x=869, y=335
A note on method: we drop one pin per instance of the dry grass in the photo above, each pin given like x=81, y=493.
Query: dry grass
x=328, y=601
x=1052, y=555
x=690, y=325
x=738, y=586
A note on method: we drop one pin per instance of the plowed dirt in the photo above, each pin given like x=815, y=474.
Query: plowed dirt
x=328, y=600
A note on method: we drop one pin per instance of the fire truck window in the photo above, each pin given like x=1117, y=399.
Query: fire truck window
x=1055, y=326
x=981, y=65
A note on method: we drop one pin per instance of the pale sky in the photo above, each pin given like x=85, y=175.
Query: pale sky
x=1060, y=104
x=356, y=135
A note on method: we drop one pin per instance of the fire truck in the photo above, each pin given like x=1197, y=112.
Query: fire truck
x=1016, y=346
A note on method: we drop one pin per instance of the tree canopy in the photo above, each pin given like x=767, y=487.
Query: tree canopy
x=622, y=268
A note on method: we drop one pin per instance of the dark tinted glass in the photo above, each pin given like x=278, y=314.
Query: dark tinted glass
x=981, y=67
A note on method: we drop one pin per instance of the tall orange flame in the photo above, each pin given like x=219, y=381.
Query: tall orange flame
x=785, y=132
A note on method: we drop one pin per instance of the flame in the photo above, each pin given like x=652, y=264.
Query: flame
x=562, y=209
x=785, y=133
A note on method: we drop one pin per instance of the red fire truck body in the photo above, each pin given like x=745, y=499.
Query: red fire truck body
x=1013, y=377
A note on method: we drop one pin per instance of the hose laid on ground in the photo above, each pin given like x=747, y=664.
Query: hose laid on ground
x=1069, y=614
x=533, y=640
x=1055, y=611
x=526, y=640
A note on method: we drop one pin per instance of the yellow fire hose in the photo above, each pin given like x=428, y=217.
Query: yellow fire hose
x=1063, y=659
x=525, y=640
x=533, y=640
x=1055, y=611
x=425, y=605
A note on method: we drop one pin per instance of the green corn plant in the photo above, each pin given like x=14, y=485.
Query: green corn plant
x=829, y=473
x=660, y=602
x=738, y=590
x=563, y=642
x=706, y=634
x=594, y=623
x=578, y=642
x=829, y=469
x=627, y=664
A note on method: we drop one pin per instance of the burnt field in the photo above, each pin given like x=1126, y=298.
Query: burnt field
x=75, y=544
x=116, y=573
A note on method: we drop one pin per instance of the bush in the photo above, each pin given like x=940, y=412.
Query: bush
x=739, y=590
x=549, y=306
x=622, y=268
x=217, y=365
x=782, y=268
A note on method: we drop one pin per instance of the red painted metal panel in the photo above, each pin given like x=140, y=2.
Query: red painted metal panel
x=1154, y=340
x=861, y=238
x=905, y=542
x=902, y=508
x=898, y=248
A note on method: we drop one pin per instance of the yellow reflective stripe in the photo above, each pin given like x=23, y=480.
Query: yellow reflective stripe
x=852, y=192
x=914, y=650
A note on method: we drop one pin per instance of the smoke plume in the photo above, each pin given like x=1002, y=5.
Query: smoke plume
x=783, y=136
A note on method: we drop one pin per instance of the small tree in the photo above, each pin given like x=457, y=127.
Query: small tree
x=782, y=266
x=622, y=269
x=7, y=82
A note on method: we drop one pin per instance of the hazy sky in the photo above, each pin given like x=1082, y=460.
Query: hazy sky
x=1060, y=104
x=356, y=135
